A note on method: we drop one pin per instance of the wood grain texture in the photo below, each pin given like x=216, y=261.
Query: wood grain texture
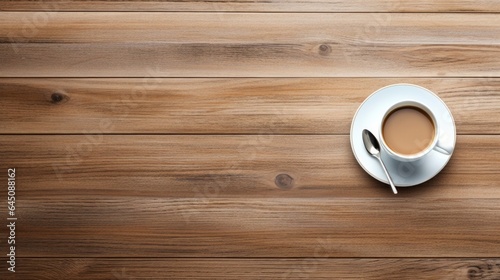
x=229, y=167
x=248, y=45
x=112, y=226
x=234, y=105
x=255, y=6
x=279, y=195
x=216, y=196
x=246, y=269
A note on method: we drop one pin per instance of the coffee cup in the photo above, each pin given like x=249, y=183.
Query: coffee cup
x=409, y=131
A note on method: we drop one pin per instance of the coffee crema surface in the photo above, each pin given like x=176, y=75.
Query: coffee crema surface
x=408, y=130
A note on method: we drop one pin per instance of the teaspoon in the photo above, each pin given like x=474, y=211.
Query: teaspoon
x=373, y=147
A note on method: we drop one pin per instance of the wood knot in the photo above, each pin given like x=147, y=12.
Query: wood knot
x=325, y=49
x=484, y=270
x=58, y=97
x=474, y=272
x=284, y=181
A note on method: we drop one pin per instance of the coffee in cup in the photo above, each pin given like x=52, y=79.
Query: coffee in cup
x=409, y=131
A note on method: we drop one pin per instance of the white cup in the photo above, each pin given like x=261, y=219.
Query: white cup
x=434, y=145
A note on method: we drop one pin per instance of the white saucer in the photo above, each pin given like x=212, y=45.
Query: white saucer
x=369, y=116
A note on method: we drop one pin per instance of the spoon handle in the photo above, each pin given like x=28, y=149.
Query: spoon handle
x=394, y=190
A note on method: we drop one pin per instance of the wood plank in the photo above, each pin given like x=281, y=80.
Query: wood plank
x=110, y=226
x=243, y=269
x=234, y=105
x=248, y=45
x=207, y=167
x=254, y=6
x=234, y=28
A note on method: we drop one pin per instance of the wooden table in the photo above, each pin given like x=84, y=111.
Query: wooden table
x=210, y=139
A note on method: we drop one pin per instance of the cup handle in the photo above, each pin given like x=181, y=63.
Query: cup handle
x=444, y=147
x=442, y=150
